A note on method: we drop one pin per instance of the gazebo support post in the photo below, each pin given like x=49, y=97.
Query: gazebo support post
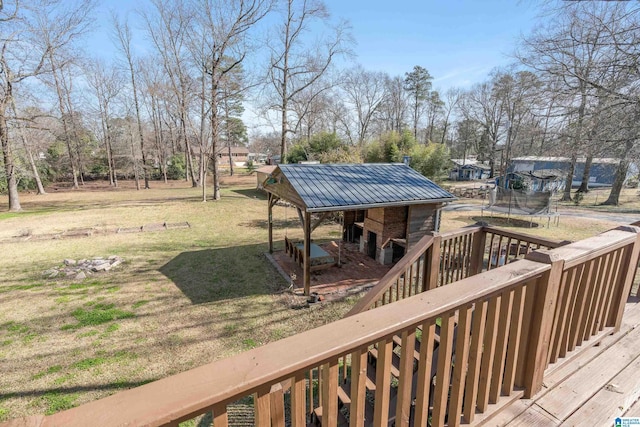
x=307, y=253
x=272, y=201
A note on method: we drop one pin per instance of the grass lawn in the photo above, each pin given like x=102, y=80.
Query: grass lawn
x=183, y=297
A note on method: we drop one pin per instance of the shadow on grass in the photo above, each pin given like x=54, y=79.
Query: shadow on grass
x=252, y=193
x=222, y=274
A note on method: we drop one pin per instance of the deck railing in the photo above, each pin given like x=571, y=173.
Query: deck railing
x=387, y=365
x=443, y=258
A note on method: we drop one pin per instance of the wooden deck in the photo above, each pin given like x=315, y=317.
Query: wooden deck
x=593, y=387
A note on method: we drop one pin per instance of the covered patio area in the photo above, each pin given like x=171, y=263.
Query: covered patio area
x=386, y=208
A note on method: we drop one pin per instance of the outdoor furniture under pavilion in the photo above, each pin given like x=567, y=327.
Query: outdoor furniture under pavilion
x=383, y=202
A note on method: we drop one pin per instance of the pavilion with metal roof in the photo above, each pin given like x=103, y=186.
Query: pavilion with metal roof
x=371, y=187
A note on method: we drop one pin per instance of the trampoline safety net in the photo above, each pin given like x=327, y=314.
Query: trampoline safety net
x=518, y=201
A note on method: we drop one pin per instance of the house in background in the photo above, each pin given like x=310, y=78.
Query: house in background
x=239, y=155
x=602, y=173
x=468, y=170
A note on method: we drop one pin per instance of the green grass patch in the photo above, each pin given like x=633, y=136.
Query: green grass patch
x=97, y=315
x=84, y=285
x=51, y=370
x=138, y=304
x=112, y=328
x=113, y=289
x=16, y=328
x=5, y=343
x=3, y=414
x=249, y=343
x=88, y=363
x=63, y=300
x=88, y=333
x=9, y=288
x=63, y=379
x=29, y=337
x=57, y=401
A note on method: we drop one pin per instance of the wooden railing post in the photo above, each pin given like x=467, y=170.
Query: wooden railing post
x=433, y=261
x=477, y=252
x=544, y=300
x=630, y=263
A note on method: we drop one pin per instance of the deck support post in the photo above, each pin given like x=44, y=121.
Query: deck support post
x=544, y=299
x=477, y=251
x=630, y=262
x=307, y=252
x=433, y=261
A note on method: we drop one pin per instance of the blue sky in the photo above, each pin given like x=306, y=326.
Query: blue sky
x=458, y=41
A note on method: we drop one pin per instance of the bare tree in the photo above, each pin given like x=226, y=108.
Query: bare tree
x=23, y=56
x=295, y=64
x=394, y=108
x=481, y=104
x=20, y=123
x=123, y=36
x=365, y=91
x=452, y=98
x=570, y=49
x=222, y=30
x=169, y=25
x=107, y=84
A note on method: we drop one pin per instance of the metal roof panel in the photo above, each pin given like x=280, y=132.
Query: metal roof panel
x=331, y=186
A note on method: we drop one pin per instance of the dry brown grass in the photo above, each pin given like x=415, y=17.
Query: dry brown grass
x=197, y=294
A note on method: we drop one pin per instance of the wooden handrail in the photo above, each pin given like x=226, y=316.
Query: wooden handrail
x=550, y=243
x=455, y=258
x=375, y=293
x=191, y=393
x=593, y=247
x=473, y=228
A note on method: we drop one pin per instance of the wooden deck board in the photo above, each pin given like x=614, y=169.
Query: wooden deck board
x=577, y=389
x=634, y=411
x=576, y=383
x=535, y=416
x=612, y=400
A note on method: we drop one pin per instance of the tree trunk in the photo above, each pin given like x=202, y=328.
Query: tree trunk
x=616, y=188
x=215, y=130
x=283, y=141
x=584, y=185
x=32, y=163
x=187, y=148
x=145, y=172
x=65, y=126
x=112, y=164
x=135, y=162
x=12, y=183
x=566, y=195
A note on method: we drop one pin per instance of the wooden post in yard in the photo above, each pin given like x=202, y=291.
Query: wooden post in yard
x=544, y=297
x=270, y=221
x=307, y=253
